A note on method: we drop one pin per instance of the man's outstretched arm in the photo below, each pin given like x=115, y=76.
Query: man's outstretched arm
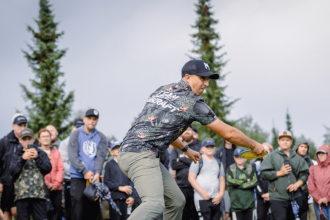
x=235, y=136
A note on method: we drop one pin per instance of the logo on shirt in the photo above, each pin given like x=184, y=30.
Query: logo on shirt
x=89, y=148
x=206, y=66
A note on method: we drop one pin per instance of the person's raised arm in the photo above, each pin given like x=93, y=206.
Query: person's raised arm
x=193, y=155
x=235, y=136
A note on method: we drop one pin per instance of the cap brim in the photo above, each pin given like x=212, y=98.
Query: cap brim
x=21, y=122
x=21, y=137
x=321, y=151
x=92, y=115
x=284, y=136
x=211, y=75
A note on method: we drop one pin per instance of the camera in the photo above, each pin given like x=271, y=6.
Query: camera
x=30, y=146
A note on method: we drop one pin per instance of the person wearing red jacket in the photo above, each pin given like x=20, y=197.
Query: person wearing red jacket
x=54, y=179
x=319, y=182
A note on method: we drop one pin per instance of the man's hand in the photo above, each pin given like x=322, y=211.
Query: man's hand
x=125, y=189
x=96, y=178
x=324, y=200
x=206, y=196
x=1, y=187
x=292, y=187
x=50, y=186
x=53, y=188
x=88, y=175
x=285, y=170
x=27, y=155
x=265, y=196
x=217, y=199
x=34, y=153
x=258, y=150
x=193, y=155
x=130, y=201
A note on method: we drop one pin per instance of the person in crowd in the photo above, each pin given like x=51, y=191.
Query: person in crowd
x=181, y=164
x=87, y=151
x=64, y=151
x=241, y=181
x=207, y=177
x=302, y=149
x=263, y=204
x=319, y=182
x=56, y=142
x=30, y=165
x=225, y=155
x=121, y=188
x=8, y=145
x=53, y=180
x=287, y=173
x=195, y=133
x=166, y=115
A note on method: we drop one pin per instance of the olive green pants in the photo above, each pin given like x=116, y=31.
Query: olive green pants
x=155, y=185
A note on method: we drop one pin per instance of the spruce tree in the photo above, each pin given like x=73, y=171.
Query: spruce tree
x=47, y=102
x=275, y=137
x=327, y=135
x=207, y=49
x=289, y=127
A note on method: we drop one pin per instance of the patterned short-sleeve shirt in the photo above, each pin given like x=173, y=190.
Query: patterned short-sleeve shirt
x=166, y=115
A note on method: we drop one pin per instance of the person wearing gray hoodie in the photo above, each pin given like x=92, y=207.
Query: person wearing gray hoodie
x=303, y=149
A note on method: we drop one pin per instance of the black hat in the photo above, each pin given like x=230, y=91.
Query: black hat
x=78, y=122
x=19, y=119
x=198, y=67
x=194, y=129
x=26, y=132
x=92, y=112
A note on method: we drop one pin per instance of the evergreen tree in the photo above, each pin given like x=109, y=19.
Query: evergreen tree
x=289, y=127
x=275, y=133
x=207, y=49
x=252, y=129
x=48, y=102
x=327, y=135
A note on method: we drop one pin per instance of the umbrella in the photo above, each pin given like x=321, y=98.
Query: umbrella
x=97, y=190
x=295, y=209
x=321, y=214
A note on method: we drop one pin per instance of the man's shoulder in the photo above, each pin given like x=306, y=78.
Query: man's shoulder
x=101, y=135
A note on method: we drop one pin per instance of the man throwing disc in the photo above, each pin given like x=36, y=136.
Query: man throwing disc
x=167, y=114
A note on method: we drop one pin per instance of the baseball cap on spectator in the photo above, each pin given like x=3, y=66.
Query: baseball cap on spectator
x=78, y=122
x=208, y=142
x=19, y=118
x=194, y=129
x=109, y=143
x=26, y=132
x=115, y=144
x=92, y=112
x=321, y=151
x=198, y=67
x=285, y=134
x=238, y=150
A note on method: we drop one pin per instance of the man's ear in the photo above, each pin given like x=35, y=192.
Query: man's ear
x=34, y=139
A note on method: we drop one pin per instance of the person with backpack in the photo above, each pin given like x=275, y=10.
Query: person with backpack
x=302, y=149
x=225, y=155
x=262, y=193
x=241, y=181
x=207, y=177
x=319, y=182
x=8, y=146
x=287, y=172
x=53, y=180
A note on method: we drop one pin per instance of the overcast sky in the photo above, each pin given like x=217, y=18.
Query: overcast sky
x=121, y=51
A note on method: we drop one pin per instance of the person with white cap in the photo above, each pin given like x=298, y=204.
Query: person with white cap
x=8, y=146
x=287, y=172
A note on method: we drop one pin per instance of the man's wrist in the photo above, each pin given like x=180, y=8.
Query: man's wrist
x=185, y=149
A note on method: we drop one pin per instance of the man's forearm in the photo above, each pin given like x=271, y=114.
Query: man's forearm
x=178, y=144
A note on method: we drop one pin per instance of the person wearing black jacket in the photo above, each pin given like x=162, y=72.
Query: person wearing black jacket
x=263, y=203
x=225, y=155
x=181, y=164
x=121, y=187
x=29, y=166
x=8, y=146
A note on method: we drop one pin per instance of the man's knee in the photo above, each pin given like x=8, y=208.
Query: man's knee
x=14, y=212
x=179, y=201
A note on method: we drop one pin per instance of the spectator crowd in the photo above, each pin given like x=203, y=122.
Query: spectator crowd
x=45, y=178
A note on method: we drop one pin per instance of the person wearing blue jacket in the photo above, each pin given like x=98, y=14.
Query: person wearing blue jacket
x=87, y=151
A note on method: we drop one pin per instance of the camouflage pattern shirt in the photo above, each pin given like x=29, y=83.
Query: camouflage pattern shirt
x=166, y=115
x=30, y=183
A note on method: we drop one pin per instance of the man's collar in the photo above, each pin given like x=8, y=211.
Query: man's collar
x=184, y=85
